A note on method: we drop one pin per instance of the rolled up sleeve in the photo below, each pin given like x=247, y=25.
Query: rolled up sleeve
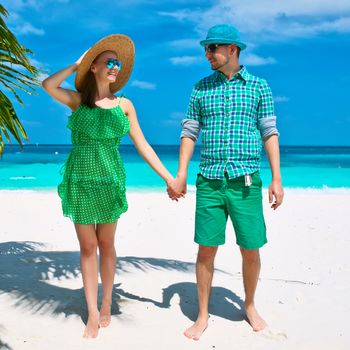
x=266, y=114
x=191, y=125
x=267, y=127
x=190, y=129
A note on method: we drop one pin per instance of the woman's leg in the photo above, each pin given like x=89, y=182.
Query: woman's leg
x=89, y=268
x=105, y=237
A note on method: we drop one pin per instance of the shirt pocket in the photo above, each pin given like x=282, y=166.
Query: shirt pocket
x=246, y=102
x=245, y=107
x=211, y=105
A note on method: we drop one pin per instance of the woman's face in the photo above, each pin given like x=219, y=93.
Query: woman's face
x=105, y=67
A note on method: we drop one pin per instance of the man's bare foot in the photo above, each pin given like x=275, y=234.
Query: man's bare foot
x=197, y=329
x=105, y=315
x=255, y=320
x=91, y=329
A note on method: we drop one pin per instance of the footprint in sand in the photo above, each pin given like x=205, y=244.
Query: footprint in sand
x=273, y=335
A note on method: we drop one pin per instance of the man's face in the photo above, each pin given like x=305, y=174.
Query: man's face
x=218, y=55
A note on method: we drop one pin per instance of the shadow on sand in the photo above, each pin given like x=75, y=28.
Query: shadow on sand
x=3, y=345
x=26, y=273
x=223, y=302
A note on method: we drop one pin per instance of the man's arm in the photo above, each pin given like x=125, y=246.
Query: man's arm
x=191, y=126
x=273, y=154
x=185, y=155
x=179, y=185
x=269, y=134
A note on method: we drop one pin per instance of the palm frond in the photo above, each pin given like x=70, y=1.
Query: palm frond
x=16, y=73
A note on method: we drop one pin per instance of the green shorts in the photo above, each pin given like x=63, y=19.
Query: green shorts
x=218, y=199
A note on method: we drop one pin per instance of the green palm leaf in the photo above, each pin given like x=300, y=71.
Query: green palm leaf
x=16, y=73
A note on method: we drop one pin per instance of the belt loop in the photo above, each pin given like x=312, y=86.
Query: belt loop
x=224, y=180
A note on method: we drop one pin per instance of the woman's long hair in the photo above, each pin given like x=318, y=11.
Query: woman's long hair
x=89, y=90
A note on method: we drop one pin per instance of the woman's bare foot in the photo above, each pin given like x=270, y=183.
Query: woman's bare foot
x=255, y=320
x=197, y=329
x=105, y=315
x=92, y=326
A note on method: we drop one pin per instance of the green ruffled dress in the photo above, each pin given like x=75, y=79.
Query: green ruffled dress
x=93, y=186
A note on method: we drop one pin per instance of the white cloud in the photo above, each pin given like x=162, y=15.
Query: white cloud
x=31, y=4
x=180, y=15
x=341, y=25
x=19, y=4
x=42, y=76
x=143, y=85
x=27, y=28
x=268, y=20
x=184, y=60
x=35, y=62
x=174, y=119
x=184, y=44
x=65, y=84
x=255, y=60
x=22, y=69
x=281, y=99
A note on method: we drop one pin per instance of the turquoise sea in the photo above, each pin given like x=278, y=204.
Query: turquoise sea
x=37, y=167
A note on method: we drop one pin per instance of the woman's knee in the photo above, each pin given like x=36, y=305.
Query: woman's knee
x=106, y=247
x=88, y=248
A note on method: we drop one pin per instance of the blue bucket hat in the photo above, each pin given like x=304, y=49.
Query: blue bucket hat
x=223, y=34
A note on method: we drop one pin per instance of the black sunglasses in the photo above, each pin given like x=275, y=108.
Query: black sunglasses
x=212, y=47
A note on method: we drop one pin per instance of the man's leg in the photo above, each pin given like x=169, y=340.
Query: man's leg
x=204, y=274
x=246, y=211
x=210, y=225
x=251, y=271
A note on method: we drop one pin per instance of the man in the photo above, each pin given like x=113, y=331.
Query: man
x=235, y=112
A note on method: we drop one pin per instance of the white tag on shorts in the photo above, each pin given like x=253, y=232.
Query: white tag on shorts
x=247, y=180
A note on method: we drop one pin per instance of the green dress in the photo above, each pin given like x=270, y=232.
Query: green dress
x=93, y=186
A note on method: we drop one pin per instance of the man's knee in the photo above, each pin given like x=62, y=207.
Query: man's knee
x=250, y=256
x=206, y=253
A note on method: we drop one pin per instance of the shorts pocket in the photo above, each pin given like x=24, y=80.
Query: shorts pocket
x=199, y=180
x=256, y=179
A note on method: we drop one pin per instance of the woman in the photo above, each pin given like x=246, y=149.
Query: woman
x=93, y=186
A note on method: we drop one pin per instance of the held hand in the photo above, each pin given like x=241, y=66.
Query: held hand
x=176, y=188
x=275, y=193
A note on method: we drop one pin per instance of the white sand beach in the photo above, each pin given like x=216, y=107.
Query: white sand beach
x=303, y=292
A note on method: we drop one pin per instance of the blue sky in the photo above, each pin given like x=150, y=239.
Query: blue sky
x=301, y=47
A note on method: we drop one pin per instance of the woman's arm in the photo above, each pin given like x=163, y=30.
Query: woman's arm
x=141, y=144
x=52, y=86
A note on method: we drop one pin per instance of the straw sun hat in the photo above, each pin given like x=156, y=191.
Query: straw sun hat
x=125, y=50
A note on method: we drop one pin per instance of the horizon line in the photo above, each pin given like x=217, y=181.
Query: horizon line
x=154, y=144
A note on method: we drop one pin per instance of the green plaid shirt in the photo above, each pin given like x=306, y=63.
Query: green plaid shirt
x=229, y=113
